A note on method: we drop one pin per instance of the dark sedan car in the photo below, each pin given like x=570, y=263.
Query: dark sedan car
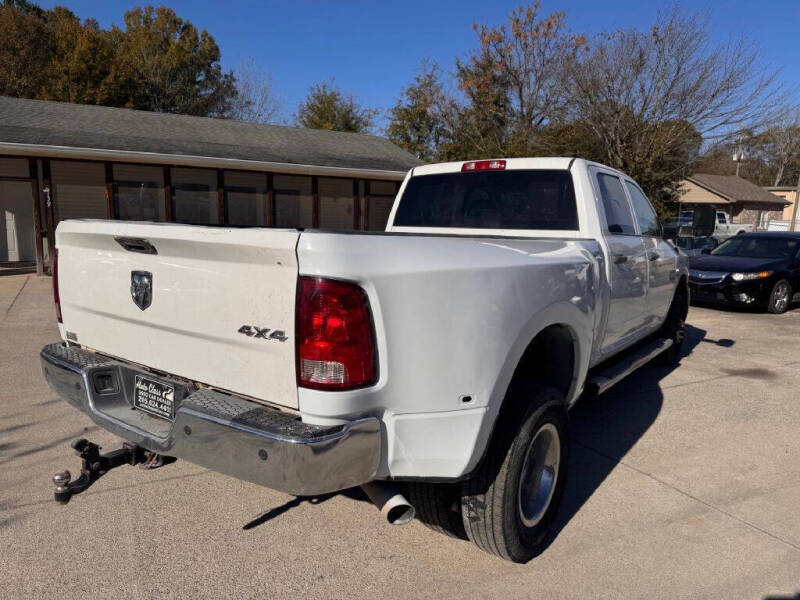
x=692, y=246
x=752, y=269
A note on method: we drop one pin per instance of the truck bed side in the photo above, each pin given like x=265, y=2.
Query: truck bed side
x=453, y=316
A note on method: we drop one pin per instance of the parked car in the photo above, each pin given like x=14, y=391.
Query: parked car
x=752, y=269
x=437, y=359
x=672, y=227
x=724, y=227
x=692, y=246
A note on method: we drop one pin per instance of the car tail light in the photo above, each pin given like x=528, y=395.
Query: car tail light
x=483, y=165
x=56, y=297
x=334, y=335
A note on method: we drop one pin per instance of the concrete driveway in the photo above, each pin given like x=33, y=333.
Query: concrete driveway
x=683, y=483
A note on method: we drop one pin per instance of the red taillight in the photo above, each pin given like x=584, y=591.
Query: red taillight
x=334, y=335
x=483, y=165
x=56, y=297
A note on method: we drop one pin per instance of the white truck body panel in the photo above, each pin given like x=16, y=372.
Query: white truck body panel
x=453, y=309
x=207, y=283
x=453, y=316
x=725, y=228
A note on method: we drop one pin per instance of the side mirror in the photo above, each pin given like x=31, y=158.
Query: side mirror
x=704, y=220
x=705, y=251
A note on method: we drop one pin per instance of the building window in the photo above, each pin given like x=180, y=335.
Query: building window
x=14, y=167
x=336, y=204
x=79, y=190
x=138, y=193
x=194, y=196
x=378, y=204
x=293, y=199
x=245, y=199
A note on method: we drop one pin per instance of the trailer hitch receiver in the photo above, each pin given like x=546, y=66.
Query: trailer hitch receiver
x=94, y=465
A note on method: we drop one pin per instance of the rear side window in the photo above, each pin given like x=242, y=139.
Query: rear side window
x=615, y=204
x=648, y=221
x=517, y=199
x=755, y=246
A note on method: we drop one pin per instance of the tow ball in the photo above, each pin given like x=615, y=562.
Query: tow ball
x=94, y=465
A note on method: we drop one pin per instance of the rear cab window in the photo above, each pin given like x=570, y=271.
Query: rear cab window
x=515, y=199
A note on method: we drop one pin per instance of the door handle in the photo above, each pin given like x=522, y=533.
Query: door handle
x=620, y=258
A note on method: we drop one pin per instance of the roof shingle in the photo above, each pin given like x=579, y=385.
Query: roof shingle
x=736, y=189
x=100, y=127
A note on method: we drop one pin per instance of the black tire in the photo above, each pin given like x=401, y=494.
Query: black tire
x=674, y=328
x=779, y=303
x=438, y=507
x=490, y=503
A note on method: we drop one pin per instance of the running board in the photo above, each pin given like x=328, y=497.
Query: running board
x=619, y=370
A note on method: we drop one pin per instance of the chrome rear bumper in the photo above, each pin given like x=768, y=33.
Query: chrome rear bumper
x=222, y=432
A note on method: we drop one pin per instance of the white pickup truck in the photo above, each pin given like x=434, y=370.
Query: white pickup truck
x=723, y=226
x=435, y=361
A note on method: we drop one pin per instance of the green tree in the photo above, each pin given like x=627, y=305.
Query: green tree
x=649, y=99
x=326, y=107
x=164, y=64
x=416, y=121
x=25, y=51
x=81, y=58
x=255, y=99
x=770, y=157
x=512, y=82
x=158, y=62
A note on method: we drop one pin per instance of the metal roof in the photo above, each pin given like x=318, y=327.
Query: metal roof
x=162, y=137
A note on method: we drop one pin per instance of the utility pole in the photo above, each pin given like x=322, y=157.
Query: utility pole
x=792, y=223
x=738, y=156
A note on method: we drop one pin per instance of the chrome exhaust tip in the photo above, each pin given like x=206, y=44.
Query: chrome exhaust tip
x=390, y=502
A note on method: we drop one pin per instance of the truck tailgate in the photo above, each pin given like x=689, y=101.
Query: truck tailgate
x=215, y=293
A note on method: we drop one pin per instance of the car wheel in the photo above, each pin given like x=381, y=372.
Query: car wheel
x=437, y=506
x=674, y=328
x=509, y=504
x=779, y=297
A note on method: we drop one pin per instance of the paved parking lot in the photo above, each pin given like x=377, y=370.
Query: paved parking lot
x=683, y=483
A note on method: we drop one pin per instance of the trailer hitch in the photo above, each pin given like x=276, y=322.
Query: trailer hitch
x=94, y=465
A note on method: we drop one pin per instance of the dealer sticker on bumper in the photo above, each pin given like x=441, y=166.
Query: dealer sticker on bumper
x=154, y=397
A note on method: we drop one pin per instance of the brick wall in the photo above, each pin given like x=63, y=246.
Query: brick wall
x=750, y=216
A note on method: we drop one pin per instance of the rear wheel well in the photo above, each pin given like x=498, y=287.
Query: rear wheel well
x=549, y=360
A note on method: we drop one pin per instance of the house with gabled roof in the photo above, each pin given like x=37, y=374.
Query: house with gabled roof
x=744, y=201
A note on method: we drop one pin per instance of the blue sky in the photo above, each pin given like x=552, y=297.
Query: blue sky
x=372, y=49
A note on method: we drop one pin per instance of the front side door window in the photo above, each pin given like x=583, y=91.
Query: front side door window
x=661, y=257
x=619, y=219
x=627, y=262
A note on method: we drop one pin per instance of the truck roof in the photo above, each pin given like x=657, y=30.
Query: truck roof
x=560, y=162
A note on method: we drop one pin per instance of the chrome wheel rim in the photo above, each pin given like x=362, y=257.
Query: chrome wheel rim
x=780, y=295
x=537, y=482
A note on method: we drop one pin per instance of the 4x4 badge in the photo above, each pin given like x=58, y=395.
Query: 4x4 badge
x=263, y=333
